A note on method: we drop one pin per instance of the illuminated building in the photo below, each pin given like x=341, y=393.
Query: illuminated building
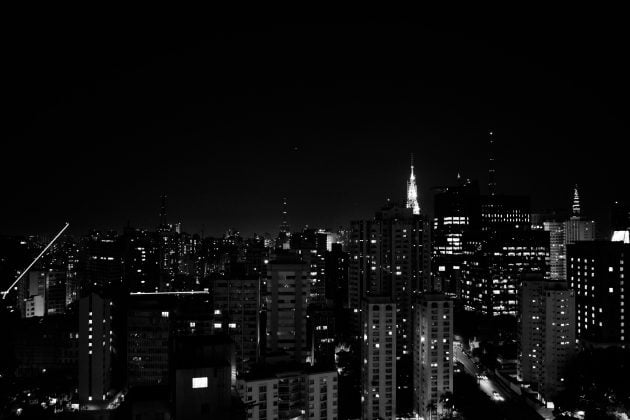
x=288, y=290
x=148, y=339
x=378, y=358
x=203, y=378
x=596, y=272
x=432, y=353
x=95, y=349
x=577, y=228
x=557, y=249
x=43, y=292
x=412, y=192
x=494, y=270
x=546, y=344
x=322, y=328
x=456, y=212
x=310, y=245
x=102, y=268
x=236, y=313
x=285, y=393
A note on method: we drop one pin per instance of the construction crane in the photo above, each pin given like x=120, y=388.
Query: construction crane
x=6, y=292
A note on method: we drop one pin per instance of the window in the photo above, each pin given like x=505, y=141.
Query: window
x=200, y=382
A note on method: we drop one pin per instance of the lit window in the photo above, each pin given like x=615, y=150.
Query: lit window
x=200, y=382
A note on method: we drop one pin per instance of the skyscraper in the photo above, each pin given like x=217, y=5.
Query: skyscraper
x=596, y=272
x=288, y=289
x=577, y=228
x=95, y=348
x=378, y=354
x=432, y=353
x=546, y=340
x=456, y=213
x=412, y=192
x=236, y=312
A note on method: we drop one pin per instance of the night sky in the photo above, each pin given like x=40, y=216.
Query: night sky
x=102, y=118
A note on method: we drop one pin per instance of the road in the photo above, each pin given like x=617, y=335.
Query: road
x=487, y=385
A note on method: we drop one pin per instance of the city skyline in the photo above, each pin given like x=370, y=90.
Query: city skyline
x=229, y=121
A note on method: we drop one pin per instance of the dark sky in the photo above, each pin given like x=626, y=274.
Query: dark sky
x=101, y=118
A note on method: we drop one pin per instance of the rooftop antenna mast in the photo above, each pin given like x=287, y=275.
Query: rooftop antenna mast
x=6, y=292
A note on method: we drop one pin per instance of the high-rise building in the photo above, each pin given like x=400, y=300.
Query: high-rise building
x=577, y=228
x=390, y=255
x=95, y=349
x=546, y=340
x=432, y=353
x=412, y=192
x=102, y=266
x=236, y=313
x=285, y=393
x=203, y=379
x=493, y=271
x=336, y=283
x=596, y=272
x=378, y=354
x=557, y=250
x=456, y=212
x=321, y=334
x=288, y=290
x=148, y=340
x=311, y=244
x=43, y=293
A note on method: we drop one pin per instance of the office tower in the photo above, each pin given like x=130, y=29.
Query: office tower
x=433, y=352
x=596, y=272
x=546, y=340
x=42, y=293
x=322, y=326
x=412, y=192
x=577, y=228
x=236, y=313
x=378, y=354
x=505, y=212
x=288, y=289
x=101, y=269
x=95, y=348
x=203, y=379
x=494, y=270
x=140, y=260
x=456, y=212
x=557, y=249
x=310, y=244
x=284, y=393
x=148, y=340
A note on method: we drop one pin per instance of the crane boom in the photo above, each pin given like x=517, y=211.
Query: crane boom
x=6, y=292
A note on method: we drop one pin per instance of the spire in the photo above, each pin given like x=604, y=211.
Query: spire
x=163, y=211
x=492, y=184
x=412, y=191
x=576, y=210
x=284, y=225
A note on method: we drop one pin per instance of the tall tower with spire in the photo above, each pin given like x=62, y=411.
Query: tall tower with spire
x=284, y=225
x=492, y=183
x=412, y=192
x=576, y=211
x=163, y=211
